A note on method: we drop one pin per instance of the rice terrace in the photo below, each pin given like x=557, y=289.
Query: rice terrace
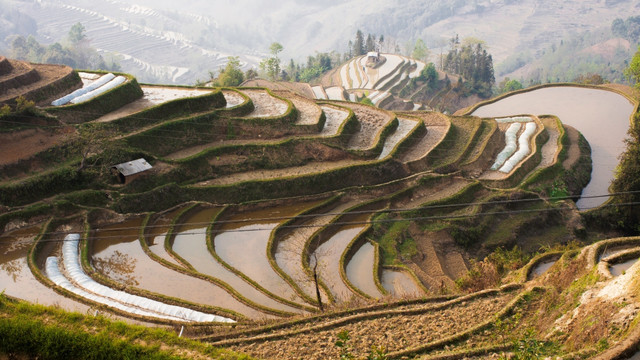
x=375, y=213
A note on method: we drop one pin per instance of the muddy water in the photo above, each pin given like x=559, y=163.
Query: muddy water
x=542, y=268
x=157, y=232
x=190, y=243
x=16, y=278
x=619, y=269
x=328, y=255
x=360, y=270
x=233, y=239
x=615, y=250
x=117, y=254
x=290, y=248
x=404, y=127
x=601, y=116
x=399, y=284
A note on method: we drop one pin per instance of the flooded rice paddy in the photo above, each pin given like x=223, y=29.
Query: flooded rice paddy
x=602, y=116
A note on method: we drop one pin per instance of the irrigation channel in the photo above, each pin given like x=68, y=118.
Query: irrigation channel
x=602, y=116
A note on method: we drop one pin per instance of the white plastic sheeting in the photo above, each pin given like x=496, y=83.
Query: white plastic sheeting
x=102, y=89
x=514, y=119
x=114, y=297
x=510, y=148
x=523, y=148
x=53, y=272
x=94, y=85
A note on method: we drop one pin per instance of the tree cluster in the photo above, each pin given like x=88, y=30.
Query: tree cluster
x=626, y=216
x=74, y=52
x=627, y=29
x=473, y=63
x=314, y=68
x=361, y=46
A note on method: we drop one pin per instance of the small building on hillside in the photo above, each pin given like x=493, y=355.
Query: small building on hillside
x=373, y=56
x=128, y=171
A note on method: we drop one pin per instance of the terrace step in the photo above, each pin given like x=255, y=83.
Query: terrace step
x=420, y=324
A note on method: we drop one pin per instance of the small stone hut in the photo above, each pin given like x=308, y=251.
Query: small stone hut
x=128, y=171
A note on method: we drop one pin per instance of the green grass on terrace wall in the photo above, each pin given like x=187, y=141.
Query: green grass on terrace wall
x=172, y=194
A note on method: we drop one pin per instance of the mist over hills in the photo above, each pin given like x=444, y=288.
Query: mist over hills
x=159, y=41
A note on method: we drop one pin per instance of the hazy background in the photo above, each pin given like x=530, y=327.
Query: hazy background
x=179, y=42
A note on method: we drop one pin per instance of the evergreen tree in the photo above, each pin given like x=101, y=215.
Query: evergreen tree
x=371, y=44
x=358, y=45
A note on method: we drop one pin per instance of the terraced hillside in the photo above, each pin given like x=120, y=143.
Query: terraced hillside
x=312, y=216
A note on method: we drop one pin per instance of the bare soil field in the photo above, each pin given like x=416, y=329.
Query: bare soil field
x=24, y=144
x=232, y=98
x=153, y=95
x=403, y=331
x=265, y=104
x=302, y=89
x=308, y=111
x=371, y=123
x=47, y=75
x=437, y=127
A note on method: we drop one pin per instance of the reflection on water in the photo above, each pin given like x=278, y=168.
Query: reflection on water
x=328, y=257
x=602, y=116
x=360, y=270
x=621, y=268
x=157, y=232
x=111, y=261
x=190, y=243
x=542, y=268
x=118, y=266
x=233, y=240
x=154, y=277
x=16, y=278
x=399, y=283
x=13, y=247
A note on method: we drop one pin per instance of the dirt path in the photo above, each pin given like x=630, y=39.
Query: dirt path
x=372, y=121
x=264, y=104
x=573, y=153
x=403, y=331
x=437, y=127
x=307, y=169
x=153, y=95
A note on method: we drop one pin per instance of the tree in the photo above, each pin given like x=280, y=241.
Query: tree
x=358, y=45
x=510, y=85
x=76, y=34
x=633, y=71
x=371, y=43
x=230, y=75
x=627, y=181
x=429, y=75
x=96, y=142
x=272, y=65
x=420, y=51
x=251, y=74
